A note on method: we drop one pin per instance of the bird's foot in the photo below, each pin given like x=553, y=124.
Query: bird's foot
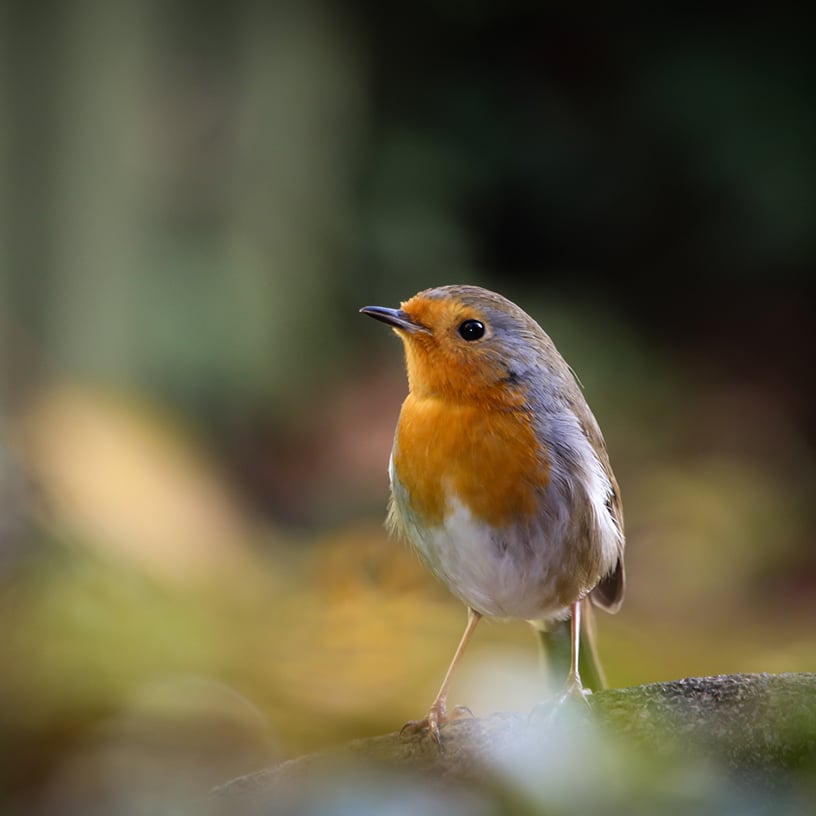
x=573, y=692
x=433, y=721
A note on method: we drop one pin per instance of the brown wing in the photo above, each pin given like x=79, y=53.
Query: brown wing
x=608, y=594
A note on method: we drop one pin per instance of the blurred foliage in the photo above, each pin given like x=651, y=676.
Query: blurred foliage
x=195, y=199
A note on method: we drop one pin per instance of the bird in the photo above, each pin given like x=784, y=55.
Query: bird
x=500, y=478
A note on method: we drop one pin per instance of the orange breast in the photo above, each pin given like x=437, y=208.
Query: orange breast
x=487, y=458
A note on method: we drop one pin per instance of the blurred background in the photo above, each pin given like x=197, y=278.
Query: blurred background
x=196, y=199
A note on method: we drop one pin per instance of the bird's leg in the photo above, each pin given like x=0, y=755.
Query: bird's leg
x=437, y=715
x=574, y=688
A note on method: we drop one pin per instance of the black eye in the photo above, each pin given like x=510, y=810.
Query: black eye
x=471, y=330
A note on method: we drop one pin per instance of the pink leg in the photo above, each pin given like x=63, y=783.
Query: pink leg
x=437, y=715
x=574, y=687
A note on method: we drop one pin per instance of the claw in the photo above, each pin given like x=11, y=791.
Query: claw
x=437, y=715
x=573, y=691
x=434, y=720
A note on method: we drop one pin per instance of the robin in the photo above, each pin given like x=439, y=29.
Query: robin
x=500, y=477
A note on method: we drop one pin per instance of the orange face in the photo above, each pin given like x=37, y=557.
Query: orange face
x=441, y=361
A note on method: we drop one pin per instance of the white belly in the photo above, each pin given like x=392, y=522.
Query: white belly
x=532, y=572
x=491, y=579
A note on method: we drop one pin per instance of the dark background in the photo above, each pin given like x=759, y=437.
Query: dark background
x=195, y=199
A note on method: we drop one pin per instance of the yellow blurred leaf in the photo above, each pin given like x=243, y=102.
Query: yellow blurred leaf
x=131, y=484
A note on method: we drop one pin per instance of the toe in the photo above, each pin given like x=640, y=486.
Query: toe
x=575, y=692
x=434, y=720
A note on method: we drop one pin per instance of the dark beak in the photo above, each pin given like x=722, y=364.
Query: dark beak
x=394, y=317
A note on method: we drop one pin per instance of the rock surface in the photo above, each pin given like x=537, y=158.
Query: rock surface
x=727, y=733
